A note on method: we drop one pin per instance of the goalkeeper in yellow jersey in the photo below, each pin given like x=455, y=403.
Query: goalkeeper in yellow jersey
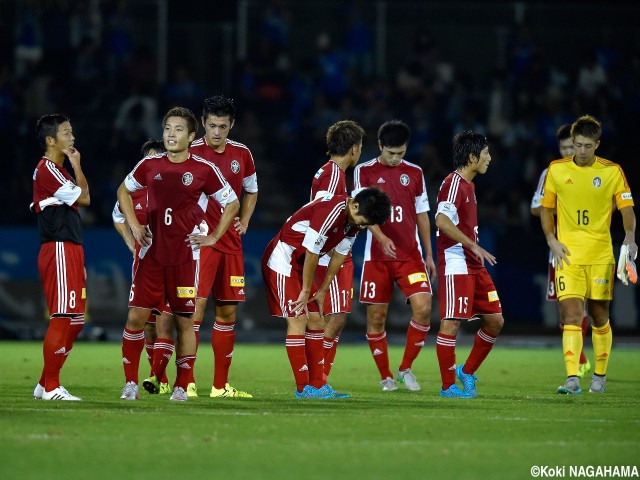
x=583, y=190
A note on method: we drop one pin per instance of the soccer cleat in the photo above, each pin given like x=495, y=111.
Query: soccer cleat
x=468, y=381
x=164, y=389
x=192, y=390
x=179, y=395
x=59, y=393
x=329, y=392
x=228, y=392
x=130, y=391
x=570, y=387
x=388, y=384
x=38, y=391
x=597, y=384
x=151, y=384
x=408, y=379
x=584, y=369
x=309, y=392
x=454, y=392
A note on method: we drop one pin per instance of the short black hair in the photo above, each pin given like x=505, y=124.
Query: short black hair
x=563, y=132
x=465, y=144
x=587, y=126
x=152, y=144
x=47, y=126
x=219, y=106
x=394, y=133
x=182, y=112
x=342, y=136
x=374, y=205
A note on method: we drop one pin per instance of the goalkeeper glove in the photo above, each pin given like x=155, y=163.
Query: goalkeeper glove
x=626, y=267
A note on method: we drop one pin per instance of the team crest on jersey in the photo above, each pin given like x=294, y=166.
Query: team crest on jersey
x=404, y=179
x=597, y=182
x=235, y=166
x=187, y=178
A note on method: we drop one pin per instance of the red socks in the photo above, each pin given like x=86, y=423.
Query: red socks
x=132, y=345
x=329, y=347
x=53, y=351
x=446, y=352
x=380, y=352
x=184, y=365
x=223, y=340
x=416, y=336
x=298, y=360
x=482, y=345
x=315, y=356
x=162, y=350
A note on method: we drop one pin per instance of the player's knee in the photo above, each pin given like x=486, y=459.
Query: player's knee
x=494, y=323
x=376, y=320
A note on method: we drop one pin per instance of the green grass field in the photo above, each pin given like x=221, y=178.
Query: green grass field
x=518, y=421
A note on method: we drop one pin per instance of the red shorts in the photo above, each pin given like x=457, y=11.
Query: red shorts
x=376, y=284
x=340, y=295
x=162, y=307
x=155, y=285
x=281, y=290
x=61, y=267
x=551, y=283
x=463, y=297
x=222, y=274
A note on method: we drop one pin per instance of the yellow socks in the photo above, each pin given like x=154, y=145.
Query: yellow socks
x=602, y=338
x=572, y=346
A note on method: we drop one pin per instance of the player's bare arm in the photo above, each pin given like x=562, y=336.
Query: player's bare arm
x=228, y=215
x=424, y=231
x=308, y=271
x=140, y=233
x=447, y=227
x=74, y=158
x=559, y=252
x=249, y=201
x=125, y=233
x=388, y=247
x=629, y=224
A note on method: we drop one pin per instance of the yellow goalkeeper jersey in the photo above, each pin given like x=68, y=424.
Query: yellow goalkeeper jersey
x=584, y=198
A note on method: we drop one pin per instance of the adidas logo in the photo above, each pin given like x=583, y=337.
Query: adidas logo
x=424, y=284
x=184, y=365
x=419, y=344
x=158, y=177
x=604, y=355
x=569, y=182
x=304, y=369
x=189, y=303
x=138, y=207
x=377, y=352
x=230, y=355
x=321, y=362
x=125, y=361
x=381, y=180
x=61, y=351
x=452, y=367
x=167, y=356
x=467, y=200
x=568, y=353
x=241, y=292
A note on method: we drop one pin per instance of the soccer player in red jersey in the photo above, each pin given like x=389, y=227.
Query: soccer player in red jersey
x=132, y=345
x=56, y=198
x=222, y=265
x=179, y=186
x=344, y=144
x=393, y=253
x=288, y=268
x=565, y=145
x=465, y=289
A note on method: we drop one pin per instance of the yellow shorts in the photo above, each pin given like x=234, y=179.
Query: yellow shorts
x=585, y=281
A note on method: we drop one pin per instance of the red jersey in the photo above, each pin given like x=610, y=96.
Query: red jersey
x=237, y=167
x=406, y=186
x=54, y=200
x=177, y=194
x=139, y=198
x=457, y=200
x=319, y=227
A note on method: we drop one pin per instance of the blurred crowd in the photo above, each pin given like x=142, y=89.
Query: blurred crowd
x=81, y=58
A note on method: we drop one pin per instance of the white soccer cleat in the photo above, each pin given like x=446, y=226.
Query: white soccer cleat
x=408, y=379
x=130, y=391
x=60, y=393
x=388, y=384
x=38, y=391
x=179, y=395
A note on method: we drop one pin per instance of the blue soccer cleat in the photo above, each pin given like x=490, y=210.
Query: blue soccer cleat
x=454, y=392
x=309, y=392
x=570, y=387
x=329, y=392
x=468, y=381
